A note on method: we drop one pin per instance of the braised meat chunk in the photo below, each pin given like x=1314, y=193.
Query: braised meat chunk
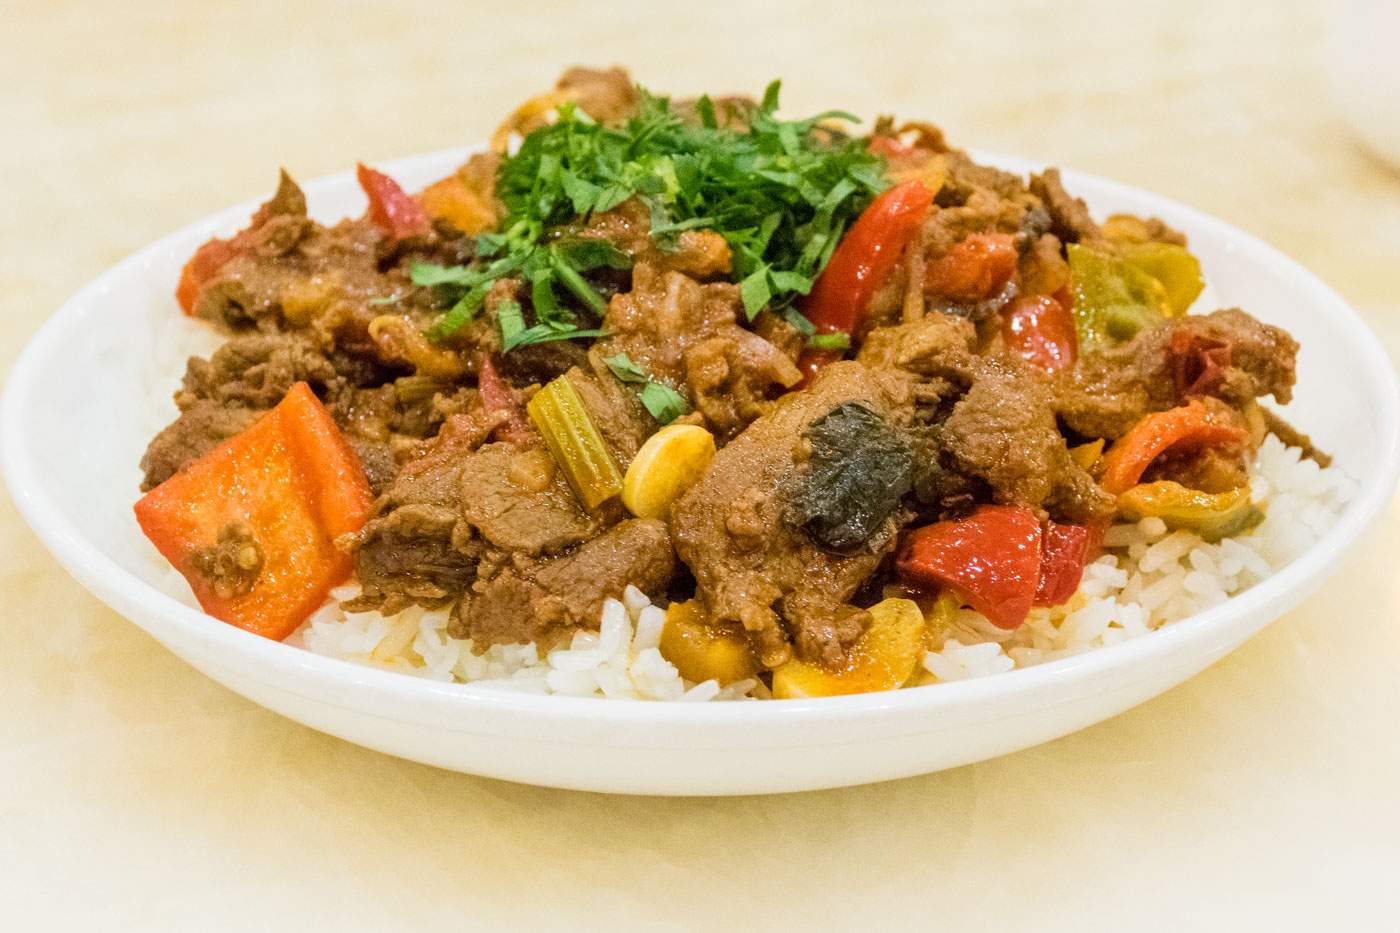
x=751, y=564
x=526, y=600
x=199, y=429
x=418, y=547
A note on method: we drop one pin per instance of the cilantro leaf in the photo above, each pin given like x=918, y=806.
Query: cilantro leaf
x=511, y=320
x=663, y=402
x=625, y=370
x=755, y=291
x=423, y=273
x=829, y=341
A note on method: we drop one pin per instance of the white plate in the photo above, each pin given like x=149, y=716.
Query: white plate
x=73, y=426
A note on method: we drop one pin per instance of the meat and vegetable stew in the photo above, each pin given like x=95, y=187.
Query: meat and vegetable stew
x=826, y=393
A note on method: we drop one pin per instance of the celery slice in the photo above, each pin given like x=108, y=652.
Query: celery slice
x=574, y=441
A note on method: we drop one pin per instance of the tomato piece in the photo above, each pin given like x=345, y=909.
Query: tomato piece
x=290, y=485
x=978, y=268
x=1040, y=330
x=1191, y=424
x=991, y=559
x=391, y=209
x=1064, y=550
x=840, y=297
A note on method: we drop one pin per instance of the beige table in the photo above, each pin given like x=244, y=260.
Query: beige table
x=135, y=794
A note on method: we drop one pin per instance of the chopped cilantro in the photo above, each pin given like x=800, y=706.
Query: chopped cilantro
x=829, y=341
x=625, y=370
x=664, y=402
x=781, y=193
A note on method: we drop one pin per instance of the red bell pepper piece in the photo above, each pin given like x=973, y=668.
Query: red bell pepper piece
x=292, y=483
x=976, y=269
x=1198, y=362
x=840, y=297
x=1064, y=550
x=203, y=266
x=888, y=146
x=1040, y=330
x=395, y=212
x=497, y=396
x=992, y=560
x=1191, y=424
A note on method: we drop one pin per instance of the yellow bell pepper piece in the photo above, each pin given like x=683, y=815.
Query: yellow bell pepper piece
x=1113, y=299
x=1177, y=270
x=1086, y=455
x=701, y=651
x=1211, y=515
x=882, y=659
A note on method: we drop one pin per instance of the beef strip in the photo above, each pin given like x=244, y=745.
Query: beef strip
x=535, y=600
x=1003, y=431
x=286, y=272
x=615, y=409
x=199, y=429
x=1291, y=436
x=231, y=565
x=378, y=459
x=286, y=269
x=251, y=373
x=1069, y=216
x=416, y=546
x=751, y=564
x=517, y=499
x=701, y=254
x=224, y=394
x=1109, y=390
x=1042, y=269
x=256, y=370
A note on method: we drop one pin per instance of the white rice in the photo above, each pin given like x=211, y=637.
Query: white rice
x=1147, y=578
x=620, y=660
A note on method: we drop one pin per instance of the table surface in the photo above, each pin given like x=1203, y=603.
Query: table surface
x=136, y=794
